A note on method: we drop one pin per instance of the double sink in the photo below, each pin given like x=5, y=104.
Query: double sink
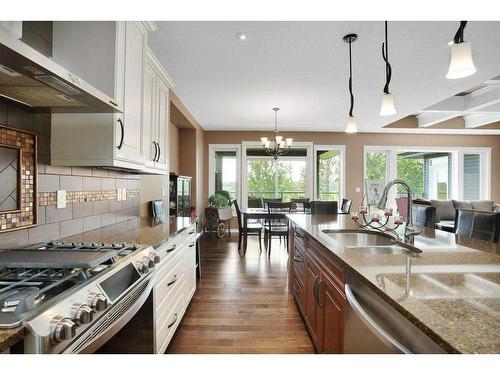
x=370, y=242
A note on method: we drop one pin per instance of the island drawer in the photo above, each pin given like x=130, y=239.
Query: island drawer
x=298, y=293
x=169, y=280
x=298, y=263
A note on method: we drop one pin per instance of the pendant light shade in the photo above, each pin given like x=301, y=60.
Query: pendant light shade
x=461, y=64
x=387, y=108
x=351, y=126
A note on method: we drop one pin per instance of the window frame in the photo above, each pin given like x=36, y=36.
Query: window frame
x=457, y=165
x=341, y=149
x=212, y=149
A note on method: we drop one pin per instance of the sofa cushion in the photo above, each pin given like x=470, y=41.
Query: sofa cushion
x=422, y=201
x=444, y=209
x=483, y=205
x=462, y=205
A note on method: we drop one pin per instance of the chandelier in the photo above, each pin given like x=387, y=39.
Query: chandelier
x=276, y=147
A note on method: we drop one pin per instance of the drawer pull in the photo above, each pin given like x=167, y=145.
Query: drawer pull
x=299, y=235
x=174, y=280
x=175, y=319
x=298, y=259
x=192, y=232
x=171, y=249
x=192, y=244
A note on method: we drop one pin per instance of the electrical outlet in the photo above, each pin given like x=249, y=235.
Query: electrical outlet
x=61, y=199
x=124, y=194
x=358, y=189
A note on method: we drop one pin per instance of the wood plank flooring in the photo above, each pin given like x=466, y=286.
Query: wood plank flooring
x=242, y=304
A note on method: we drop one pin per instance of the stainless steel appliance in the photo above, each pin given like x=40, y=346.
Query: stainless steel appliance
x=73, y=297
x=372, y=326
x=29, y=78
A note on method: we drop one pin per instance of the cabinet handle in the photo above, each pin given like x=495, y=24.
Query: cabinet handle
x=318, y=300
x=175, y=319
x=123, y=134
x=156, y=150
x=159, y=152
x=192, y=232
x=314, y=288
x=299, y=235
x=171, y=249
x=192, y=244
x=173, y=281
x=114, y=103
x=298, y=259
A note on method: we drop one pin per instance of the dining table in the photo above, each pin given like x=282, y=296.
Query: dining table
x=263, y=213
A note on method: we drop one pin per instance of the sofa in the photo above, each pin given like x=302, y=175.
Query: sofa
x=446, y=210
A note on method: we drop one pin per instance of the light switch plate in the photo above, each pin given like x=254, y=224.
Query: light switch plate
x=61, y=199
x=358, y=189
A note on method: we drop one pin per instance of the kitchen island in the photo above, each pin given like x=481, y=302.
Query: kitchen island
x=450, y=291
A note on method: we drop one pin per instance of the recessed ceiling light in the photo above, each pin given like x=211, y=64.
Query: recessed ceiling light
x=241, y=36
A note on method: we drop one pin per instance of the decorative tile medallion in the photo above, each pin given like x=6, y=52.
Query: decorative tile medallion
x=21, y=201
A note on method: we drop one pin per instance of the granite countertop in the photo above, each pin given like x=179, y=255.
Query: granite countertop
x=454, y=284
x=9, y=337
x=144, y=231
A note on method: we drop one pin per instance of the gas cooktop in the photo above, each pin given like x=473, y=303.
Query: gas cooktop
x=33, y=277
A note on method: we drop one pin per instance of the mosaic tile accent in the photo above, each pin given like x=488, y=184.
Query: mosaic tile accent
x=25, y=216
x=50, y=199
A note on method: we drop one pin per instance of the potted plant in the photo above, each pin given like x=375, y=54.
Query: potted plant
x=222, y=201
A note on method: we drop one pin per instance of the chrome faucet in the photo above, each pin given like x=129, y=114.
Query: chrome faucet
x=410, y=230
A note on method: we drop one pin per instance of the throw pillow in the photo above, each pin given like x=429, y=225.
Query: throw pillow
x=444, y=209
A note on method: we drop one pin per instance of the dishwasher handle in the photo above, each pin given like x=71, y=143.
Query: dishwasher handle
x=372, y=325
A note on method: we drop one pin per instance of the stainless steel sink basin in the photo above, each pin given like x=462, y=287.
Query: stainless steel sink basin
x=370, y=242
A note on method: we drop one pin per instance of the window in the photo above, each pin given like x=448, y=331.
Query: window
x=433, y=173
x=472, y=179
x=329, y=172
x=224, y=171
x=428, y=174
x=286, y=178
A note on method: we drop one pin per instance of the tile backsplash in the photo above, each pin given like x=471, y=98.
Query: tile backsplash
x=91, y=192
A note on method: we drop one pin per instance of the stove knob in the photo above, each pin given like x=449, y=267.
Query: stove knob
x=154, y=256
x=63, y=328
x=149, y=261
x=97, y=301
x=82, y=313
x=144, y=267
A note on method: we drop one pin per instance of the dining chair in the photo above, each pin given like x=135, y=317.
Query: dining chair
x=324, y=207
x=265, y=201
x=483, y=225
x=255, y=202
x=299, y=202
x=346, y=206
x=253, y=229
x=277, y=227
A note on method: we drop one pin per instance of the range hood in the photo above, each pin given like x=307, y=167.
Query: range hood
x=35, y=81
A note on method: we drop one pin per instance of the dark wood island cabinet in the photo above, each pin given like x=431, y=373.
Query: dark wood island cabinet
x=317, y=283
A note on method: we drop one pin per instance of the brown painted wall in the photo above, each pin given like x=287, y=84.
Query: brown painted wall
x=354, y=150
x=174, y=148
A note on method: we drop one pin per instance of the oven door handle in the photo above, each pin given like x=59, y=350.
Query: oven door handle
x=371, y=324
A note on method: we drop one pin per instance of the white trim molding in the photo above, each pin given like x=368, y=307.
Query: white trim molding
x=212, y=149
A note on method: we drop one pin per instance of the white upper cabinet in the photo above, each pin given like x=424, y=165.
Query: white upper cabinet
x=156, y=114
x=114, y=57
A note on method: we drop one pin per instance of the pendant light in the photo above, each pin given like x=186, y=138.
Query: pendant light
x=351, y=126
x=387, y=108
x=461, y=64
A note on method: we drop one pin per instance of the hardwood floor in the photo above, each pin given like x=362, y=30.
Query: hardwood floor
x=242, y=304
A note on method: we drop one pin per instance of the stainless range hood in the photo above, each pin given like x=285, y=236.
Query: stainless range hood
x=35, y=81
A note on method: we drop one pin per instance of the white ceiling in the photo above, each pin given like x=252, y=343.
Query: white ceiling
x=302, y=67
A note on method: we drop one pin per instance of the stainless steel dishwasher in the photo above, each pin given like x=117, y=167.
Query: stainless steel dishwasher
x=372, y=326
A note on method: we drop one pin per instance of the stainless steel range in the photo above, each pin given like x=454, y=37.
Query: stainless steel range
x=73, y=297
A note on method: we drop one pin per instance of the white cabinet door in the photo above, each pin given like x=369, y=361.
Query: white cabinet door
x=129, y=133
x=190, y=273
x=149, y=118
x=163, y=105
